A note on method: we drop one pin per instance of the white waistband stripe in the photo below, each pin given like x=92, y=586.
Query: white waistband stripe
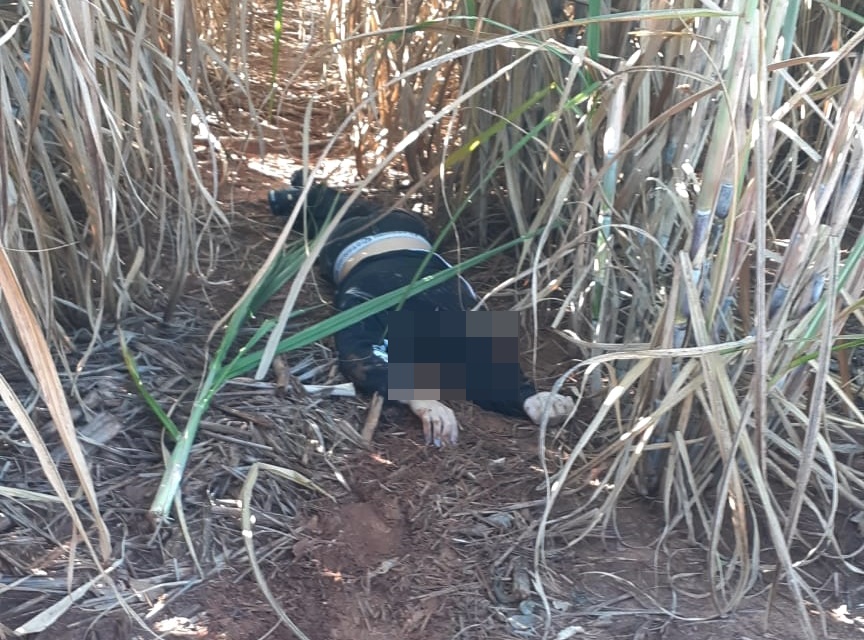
x=381, y=243
x=378, y=243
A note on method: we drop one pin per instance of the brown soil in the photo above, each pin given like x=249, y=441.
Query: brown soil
x=419, y=544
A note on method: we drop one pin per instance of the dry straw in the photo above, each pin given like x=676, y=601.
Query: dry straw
x=702, y=163
x=683, y=177
x=100, y=196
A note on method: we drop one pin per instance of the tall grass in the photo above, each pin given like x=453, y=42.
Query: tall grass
x=373, y=48
x=101, y=196
x=705, y=164
x=701, y=167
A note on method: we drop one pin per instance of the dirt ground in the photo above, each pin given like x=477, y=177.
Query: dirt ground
x=397, y=542
x=414, y=543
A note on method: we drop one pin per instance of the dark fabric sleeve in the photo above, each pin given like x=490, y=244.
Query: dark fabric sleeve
x=512, y=403
x=363, y=358
x=362, y=348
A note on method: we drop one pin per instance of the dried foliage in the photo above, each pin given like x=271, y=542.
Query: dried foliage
x=703, y=167
x=684, y=175
x=377, y=43
x=102, y=139
x=102, y=202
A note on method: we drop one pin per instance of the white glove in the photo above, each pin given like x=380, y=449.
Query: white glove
x=559, y=406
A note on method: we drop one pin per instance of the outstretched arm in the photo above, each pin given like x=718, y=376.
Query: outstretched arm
x=525, y=400
x=363, y=359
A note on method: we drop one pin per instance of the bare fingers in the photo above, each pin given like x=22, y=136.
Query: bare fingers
x=439, y=422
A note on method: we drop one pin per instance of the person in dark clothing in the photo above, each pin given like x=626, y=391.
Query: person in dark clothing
x=432, y=348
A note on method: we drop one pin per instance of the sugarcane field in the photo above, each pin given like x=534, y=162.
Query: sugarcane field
x=431, y=320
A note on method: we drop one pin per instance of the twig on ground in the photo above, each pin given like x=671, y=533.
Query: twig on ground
x=282, y=376
x=372, y=418
x=343, y=390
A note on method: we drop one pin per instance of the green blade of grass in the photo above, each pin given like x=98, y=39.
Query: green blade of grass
x=462, y=152
x=164, y=419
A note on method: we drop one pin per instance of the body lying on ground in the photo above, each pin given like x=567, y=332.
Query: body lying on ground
x=373, y=252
